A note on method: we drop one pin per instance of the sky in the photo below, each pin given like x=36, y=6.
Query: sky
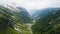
x=32, y=4
x=37, y=4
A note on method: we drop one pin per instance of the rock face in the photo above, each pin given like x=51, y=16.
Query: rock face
x=48, y=23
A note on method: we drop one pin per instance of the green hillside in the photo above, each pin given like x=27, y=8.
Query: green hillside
x=11, y=21
x=48, y=23
x=18, y=21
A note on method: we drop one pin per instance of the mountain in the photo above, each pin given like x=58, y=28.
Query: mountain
x=7, y=21
x=26, y=16
x=13, y=20
x=42, y=12
x=48, y=23
x=23, y=10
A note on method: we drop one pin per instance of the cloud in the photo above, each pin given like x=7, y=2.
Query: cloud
x=35, y=4
x=32, y=4
x=7, y=1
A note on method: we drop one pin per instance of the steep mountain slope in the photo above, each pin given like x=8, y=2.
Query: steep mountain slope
x=26, y=17
x=12, y=21
x=48, y=23
x=7, y=21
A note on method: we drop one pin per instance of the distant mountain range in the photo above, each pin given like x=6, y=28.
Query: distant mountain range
x=43, y=12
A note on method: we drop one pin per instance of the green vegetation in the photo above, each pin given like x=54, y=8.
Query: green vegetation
x=18, y=21
x=12, y=21
x=49, y=23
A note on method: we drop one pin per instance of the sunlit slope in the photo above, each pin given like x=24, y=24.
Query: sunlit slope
x=11, y=21
x=6, y=21
x=48, y=23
